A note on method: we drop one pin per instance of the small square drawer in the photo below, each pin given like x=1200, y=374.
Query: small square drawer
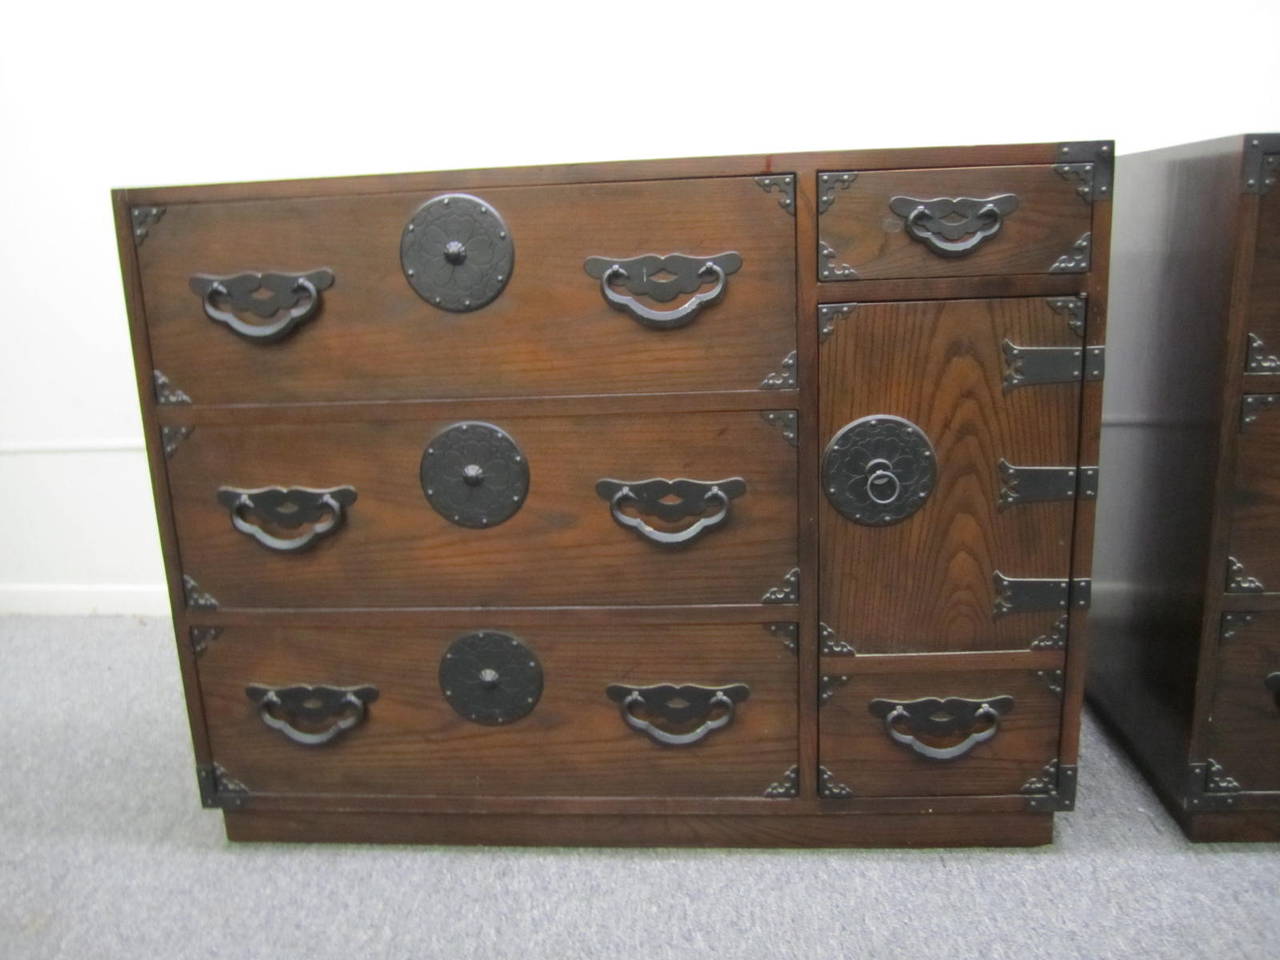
x=982, y=725
x=545, y=510
x=956, y=222
x=661, y=286
x=498, y=706
x=1243, y=733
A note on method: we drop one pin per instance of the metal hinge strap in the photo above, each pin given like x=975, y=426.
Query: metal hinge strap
x=1034, y=366
x=1032, y=594
x=1035, y=484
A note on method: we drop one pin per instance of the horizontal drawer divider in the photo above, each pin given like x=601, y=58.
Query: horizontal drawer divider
x=888, y=663
x=947, y=288
x=463, y=616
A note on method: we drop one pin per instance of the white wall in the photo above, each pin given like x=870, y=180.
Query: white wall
x=164, y=93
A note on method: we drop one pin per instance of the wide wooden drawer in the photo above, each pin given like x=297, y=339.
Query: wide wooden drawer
x=950, y=476
x=567, y=710
x=1254, y=547
x=1243, y=733
x=892, y=726
x=518, y=513
x=549, y=329
x=957, y=222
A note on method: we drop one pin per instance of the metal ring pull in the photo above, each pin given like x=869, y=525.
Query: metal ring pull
x=672, y=500
x=882, y=474
x=678, y=704
x=311, y=703
x=289, y=507
x=291, y=298
x=663, y=279
x=879, y=470
x=954, y=226
x=941, y=717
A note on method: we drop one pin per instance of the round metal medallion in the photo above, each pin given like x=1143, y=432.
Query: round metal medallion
x=879, y=470
x=490, y=677
x=457, y=253
x=474, y=475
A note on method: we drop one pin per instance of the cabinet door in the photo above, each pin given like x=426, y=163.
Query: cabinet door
x=1244, y=724
x=950, y=473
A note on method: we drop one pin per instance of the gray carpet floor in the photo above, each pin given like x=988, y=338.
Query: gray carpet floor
x=105, y=852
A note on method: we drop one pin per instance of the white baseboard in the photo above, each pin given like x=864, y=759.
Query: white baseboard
x=143, y=599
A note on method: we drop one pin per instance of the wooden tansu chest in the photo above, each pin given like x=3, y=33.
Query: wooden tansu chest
x=734, y=501
x=1188, y=599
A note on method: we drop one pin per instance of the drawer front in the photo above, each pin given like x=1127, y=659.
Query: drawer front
x=1254, y=559
x=572, y=740
x=537, y=526
x=1244, y=726
x=889, y=730
x=960, y=222
x=917, y=410
x=549, y=329
x=1263, y=320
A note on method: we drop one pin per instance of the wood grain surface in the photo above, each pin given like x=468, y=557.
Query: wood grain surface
x=1243, y=730
x=869, y=237
x=549, y=333
x=573, y=743
x=1255, y=501
x=925, y=583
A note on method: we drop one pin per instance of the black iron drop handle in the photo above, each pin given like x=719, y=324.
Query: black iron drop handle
x=954, y=226
x=672, y=500
x=663, y=279
x=290, y=298
x=278, y=706
x=932, y=716
x=678, y=704
x=288, y=507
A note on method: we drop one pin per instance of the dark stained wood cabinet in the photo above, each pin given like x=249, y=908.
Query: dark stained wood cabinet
x=734, y=501
x=1186, y=661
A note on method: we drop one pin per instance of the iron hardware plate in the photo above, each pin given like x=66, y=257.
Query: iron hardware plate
x=1073, y=308
x=878, y=470
x=144, y=218
x=457, y=253
x=1031, y=595
x=690, y=708
x=1075, y=260
x=829, y=786
x=786, y=786
x=1239, y=580
x=1257, y=360
x=954, y=226
x=1260, y=162
x=1056, y=636
x=788, y=631
x=830, y=643
x=830, y=266
x=829, y=183
x=1035, y=366
x=1209, y=787
x=1038, y=484
x=1255, y=404
x=1096, y=155
x=474, y=474
x=490, y=678
x=1053, y=789
x=286, y=300
x=935, y=717
x=828, y=684
x=785, y=421
x=200, y=638
x=288, y=508
x=671, y=501
x=171, y=438
x=166, y=391
x=785, y=184
x=786, y=592
x=784, y=378
x=341, y=708
x=829, y=314
x=196, y=598
x=218, y=790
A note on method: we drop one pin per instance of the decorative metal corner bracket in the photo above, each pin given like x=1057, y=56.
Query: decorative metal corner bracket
x=219, y=790
x=785, y=421
x=829, y=786
x=1033, y=594
x=786, y=786
x=786, y=592
x=832, y=644
x=1257, y=360
x=1238, y=579
x=143, y=219
x=1053, y=788
x=1255, y=404
x=1076, y=260
x=784, y=378
x=1040, y=484
x=1231, y=622
x=1092, y=162
x=829, y=314
x=1210, y=788
x=830, y=267
x=201, y=637
x=195, y=597
x=1261, y=162
x=786, y=631
x=785, y=184
x=166, y=392
x=1073, y=308
x=171, y=437
x=829, y=183
x=1055, y=638
x=828, y=684
x=1053, y=679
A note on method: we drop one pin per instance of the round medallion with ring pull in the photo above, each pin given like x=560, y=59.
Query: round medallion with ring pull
x=879, y=470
